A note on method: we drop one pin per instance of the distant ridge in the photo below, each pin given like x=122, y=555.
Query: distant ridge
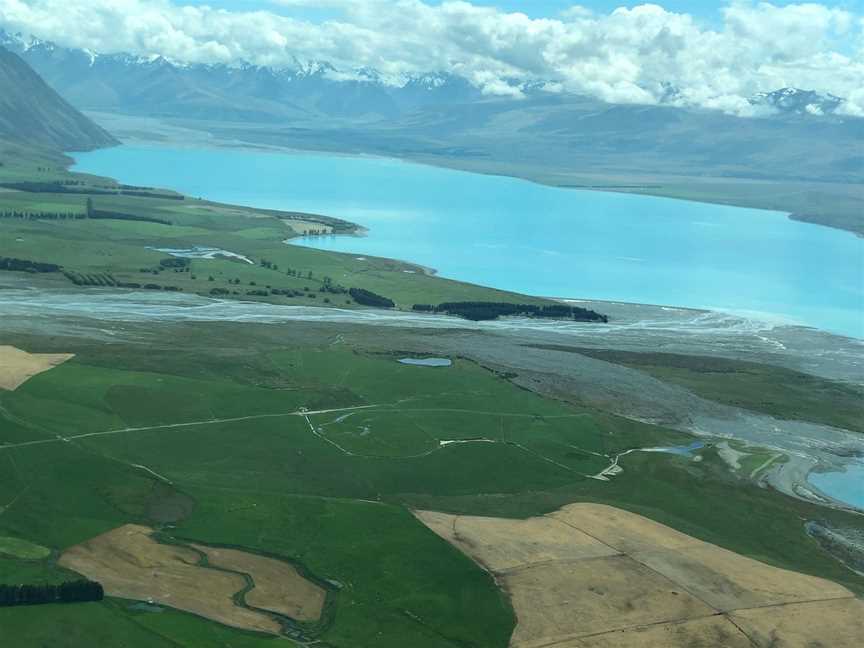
x=34, y=114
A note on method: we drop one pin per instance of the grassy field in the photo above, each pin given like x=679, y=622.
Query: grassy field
x=18, y=548
x=269, y=483
x=207, y=422
x=398, y=582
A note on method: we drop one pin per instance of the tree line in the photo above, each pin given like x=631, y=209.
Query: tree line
x=327, y=283
x=96, y=214
x=268, y=292
x=480, y=310
x=369, y=298
x=148, y=194
x=68, y=592
x=106, y=280
x=54, y=187
x=43, y=215
x=330, y=286
x=25, y=265
x=289, y=272
x=67, y=187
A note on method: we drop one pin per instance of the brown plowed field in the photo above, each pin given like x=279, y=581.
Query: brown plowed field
x=593, y=576
x=129, y=563
x=17, y=366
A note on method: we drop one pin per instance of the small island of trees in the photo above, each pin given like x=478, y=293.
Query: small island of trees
x=478, y=311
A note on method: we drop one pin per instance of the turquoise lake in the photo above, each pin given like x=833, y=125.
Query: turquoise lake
x=846, y=486
x=516, y=235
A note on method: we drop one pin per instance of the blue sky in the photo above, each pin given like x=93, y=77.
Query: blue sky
x=706, y=11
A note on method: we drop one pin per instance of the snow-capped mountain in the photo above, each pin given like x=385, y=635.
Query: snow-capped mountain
x=156, y=85
x=799, y=102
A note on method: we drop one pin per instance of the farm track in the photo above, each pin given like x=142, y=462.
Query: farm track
x=166, y=426
x=319, y=432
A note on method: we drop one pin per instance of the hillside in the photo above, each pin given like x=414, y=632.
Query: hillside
x=31, y=112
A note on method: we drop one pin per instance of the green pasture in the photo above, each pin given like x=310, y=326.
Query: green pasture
x=20, y=548
x=209, y=421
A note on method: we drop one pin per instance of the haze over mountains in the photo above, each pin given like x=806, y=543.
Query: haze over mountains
x=31, y=112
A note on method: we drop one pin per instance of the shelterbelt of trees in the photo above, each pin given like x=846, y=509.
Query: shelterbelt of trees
x=369, y=298
x=26, y=265
x=477, y=311
x=78, y=187
x=68, y=592
x=89, y=212
x=94, y=214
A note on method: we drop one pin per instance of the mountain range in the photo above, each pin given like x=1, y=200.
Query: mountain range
x=156, y=86
x=33, y=113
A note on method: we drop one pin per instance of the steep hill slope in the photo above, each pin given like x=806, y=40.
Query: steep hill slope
x=33, y=113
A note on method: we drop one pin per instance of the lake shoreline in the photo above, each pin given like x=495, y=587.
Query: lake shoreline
x=477, y=229
x=201, y=138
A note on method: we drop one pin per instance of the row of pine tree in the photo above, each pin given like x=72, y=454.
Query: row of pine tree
x=69, y=592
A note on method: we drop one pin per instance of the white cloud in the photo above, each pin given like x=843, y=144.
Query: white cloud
x=629, y=55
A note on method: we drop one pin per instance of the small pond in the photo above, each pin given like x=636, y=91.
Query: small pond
x=427, y=362
x=679, y=450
